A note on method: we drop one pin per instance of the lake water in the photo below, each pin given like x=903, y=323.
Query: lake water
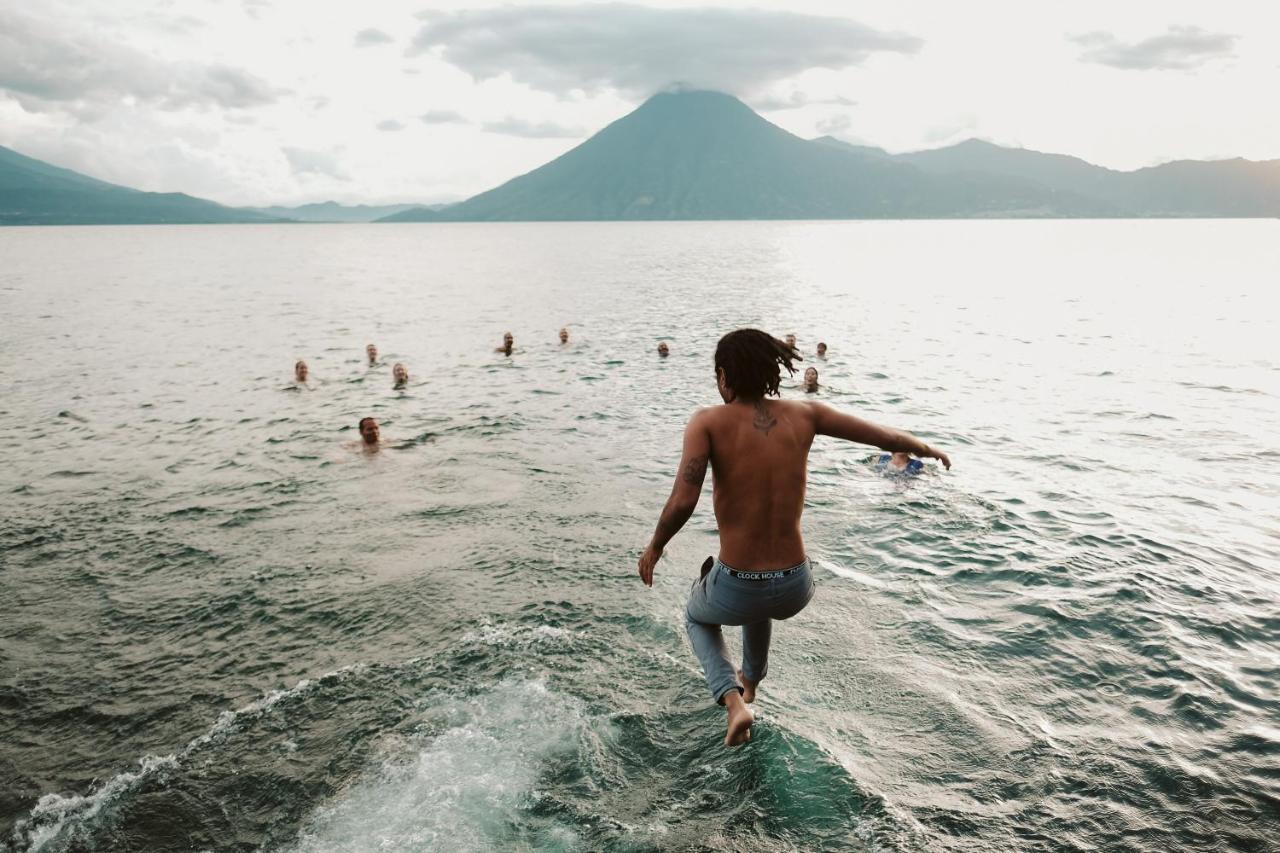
x=222, y=629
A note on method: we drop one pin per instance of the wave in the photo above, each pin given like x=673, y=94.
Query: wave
x=523, y=765
x=67, y=818
x=54, y=812
x=61, y=821
x=481, y=747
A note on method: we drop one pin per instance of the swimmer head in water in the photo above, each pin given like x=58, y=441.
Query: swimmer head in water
x=811, y=380
x=791, y=340
x=508, y=342
x=300, y=371
x=564, y=336
x=822, y=350
x=371, y=351
x=400, y=375
x=663, y=350
x=369, y=434
x=899, y=463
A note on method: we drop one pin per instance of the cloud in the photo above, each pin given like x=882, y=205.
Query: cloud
x=442, y=117
x=1179, y=49
x=253, y=7
x=512, y=126
x=954, y=129
x=638, y=50
x=178, y=25
x=370, y=37
x=390, y=125
x=835, y=125
x=305, y=162
x=795, y=100
x=46, y=69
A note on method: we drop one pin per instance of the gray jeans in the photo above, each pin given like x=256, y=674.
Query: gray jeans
x=718, y=598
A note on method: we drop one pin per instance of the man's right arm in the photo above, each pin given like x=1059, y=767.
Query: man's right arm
x=828, y=421
x=684, y=494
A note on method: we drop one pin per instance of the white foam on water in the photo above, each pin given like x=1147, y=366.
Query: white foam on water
x=55, y=814
x=852, y=574
x=505, y=634
x=53, y=811
x=461, y=789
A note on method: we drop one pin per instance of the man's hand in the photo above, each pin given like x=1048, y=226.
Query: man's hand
x=934, y=453
x=647, y=561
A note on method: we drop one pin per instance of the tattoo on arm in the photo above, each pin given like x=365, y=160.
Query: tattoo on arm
x=695, y=470
x=762, y=420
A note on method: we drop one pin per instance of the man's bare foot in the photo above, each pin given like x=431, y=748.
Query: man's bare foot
x=740, y=719
x=748, y=688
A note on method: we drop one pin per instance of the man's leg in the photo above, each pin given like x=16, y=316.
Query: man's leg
x=755, y=656
x=702, y=620
x=708, y=645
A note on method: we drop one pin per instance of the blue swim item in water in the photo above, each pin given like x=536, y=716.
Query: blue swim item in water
x=915, y=466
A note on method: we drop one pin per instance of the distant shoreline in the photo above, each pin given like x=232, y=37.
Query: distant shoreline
x=1169, y=218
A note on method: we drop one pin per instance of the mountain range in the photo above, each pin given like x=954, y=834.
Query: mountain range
x=332, y=211
x=33, y=192
x=707, y=155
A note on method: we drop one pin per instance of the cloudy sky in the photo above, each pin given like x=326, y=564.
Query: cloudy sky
x=276, y=101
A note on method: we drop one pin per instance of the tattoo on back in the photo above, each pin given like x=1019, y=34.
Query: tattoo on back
x=695, y=470
x=762, y=420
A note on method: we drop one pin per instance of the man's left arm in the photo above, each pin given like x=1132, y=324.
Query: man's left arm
x=684, y=493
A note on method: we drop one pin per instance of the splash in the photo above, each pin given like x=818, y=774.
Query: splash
x=463, y=788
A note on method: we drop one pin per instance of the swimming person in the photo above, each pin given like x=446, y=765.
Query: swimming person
x=899, y=463
x=370, y=436
x=564, y=336
x=399, y=376
x=791, y=340
x=508, y=341
x=372, y=352
x=811, y=380
x=758, y=450
x=300, y=372
x=663, y=349
x=822, y=350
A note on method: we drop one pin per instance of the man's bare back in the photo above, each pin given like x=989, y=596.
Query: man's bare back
x=758, y=450
x=758, y=456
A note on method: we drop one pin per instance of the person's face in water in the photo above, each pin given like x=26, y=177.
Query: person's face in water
x=663, y=350
x=400, y=374
x=372, y=352
x=369, y=432
x=822, y=350
x=791, y=341
x=508, y=341
x=811, y=379
x=564, y=336
x=300, y=371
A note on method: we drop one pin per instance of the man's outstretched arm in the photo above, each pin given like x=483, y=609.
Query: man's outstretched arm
x=837, y=424
x=684, y=494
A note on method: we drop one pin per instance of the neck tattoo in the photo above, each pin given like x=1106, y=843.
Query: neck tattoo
x=762, y=420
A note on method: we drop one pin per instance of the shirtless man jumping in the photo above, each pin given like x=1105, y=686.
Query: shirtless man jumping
x=758, y=450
